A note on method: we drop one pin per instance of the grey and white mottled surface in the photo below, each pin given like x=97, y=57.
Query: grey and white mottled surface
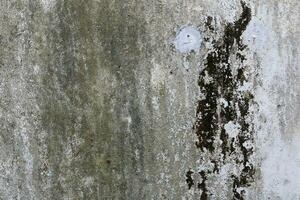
x=99, y=101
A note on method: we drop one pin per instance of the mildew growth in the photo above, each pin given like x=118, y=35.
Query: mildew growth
x=202, y=186
x=213, y=115
x=189, y=179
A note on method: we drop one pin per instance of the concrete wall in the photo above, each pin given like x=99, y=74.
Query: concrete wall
x=164, y=99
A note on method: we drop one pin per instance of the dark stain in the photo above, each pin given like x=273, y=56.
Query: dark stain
x=216, y=166
x=202, y=186
x=211, y=116
x=85, y=40
x=189, y=179
x=208, y=23
x=224, y=85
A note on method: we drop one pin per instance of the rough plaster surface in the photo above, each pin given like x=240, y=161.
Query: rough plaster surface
x=98, y=102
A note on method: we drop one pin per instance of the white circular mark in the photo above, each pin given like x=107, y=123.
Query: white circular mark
x=188, y=39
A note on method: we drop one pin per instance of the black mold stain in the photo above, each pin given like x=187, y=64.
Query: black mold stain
x=189, y=179
x=211, y=117
x=202, y=186
x=208, y=23
x=224, y=85
x=216, y=166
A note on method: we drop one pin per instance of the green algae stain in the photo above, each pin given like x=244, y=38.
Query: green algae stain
x=86, y=41
x=162, y=90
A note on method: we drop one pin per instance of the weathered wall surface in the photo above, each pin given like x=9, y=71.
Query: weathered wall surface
x=107, y=99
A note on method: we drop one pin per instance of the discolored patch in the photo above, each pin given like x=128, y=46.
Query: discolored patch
x=202, y=186
x=189, y=179
x=223, y=103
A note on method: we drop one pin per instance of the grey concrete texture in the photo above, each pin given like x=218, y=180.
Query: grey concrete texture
x=144, y=99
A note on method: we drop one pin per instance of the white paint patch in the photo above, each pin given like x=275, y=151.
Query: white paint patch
x=281, y=170
x=232, y=129
x=224, y=102
x=245, y=87
x=256, y=35
x=188, y=39
x=207, y=78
